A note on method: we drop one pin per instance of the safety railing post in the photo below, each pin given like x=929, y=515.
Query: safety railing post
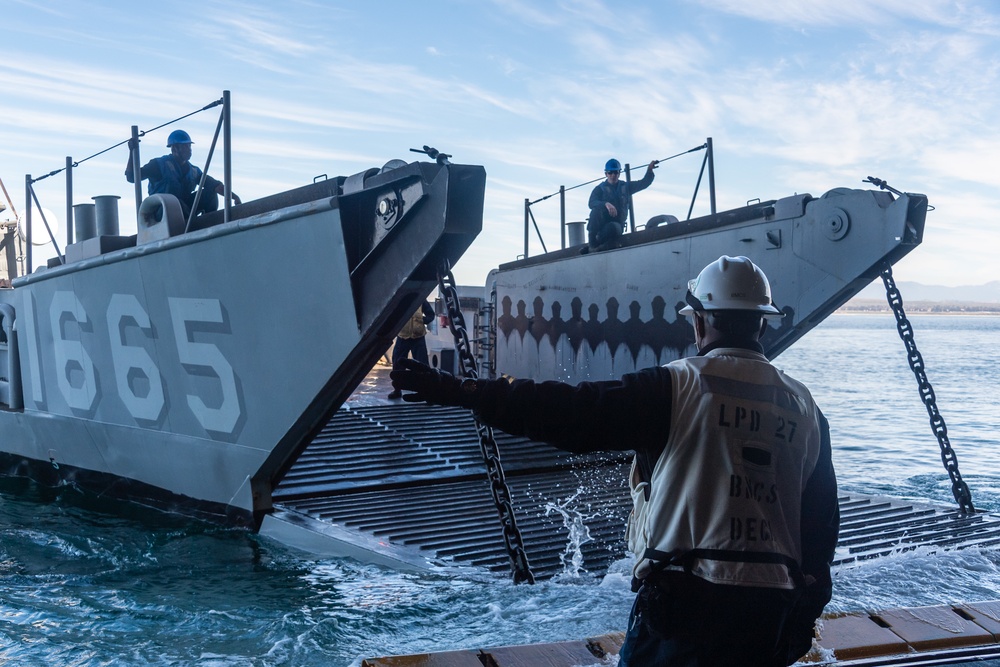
x=562, y=214
x=137, y=178
x=711, y=174
x=69, y=200
x=227, y=173
x=631, y=208
x=27, y=223
x=527, y=212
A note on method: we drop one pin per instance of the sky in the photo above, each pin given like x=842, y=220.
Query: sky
x=797, y=96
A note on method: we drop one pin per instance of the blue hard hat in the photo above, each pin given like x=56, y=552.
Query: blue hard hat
x=613, y=165
x=178, y=137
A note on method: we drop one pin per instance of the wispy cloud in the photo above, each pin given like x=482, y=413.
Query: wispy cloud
x=41, y=7
x=53, y=83
x=797, y=13
x=532, y=13
x=263, y=33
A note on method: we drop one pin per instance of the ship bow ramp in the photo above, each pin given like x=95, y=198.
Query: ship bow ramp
x=188, y=370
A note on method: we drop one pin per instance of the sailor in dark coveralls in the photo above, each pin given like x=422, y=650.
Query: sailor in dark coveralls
x=609, y=205
x=175, y=175
x=735, y=515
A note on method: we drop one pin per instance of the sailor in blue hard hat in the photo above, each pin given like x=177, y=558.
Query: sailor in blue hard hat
x=609, y=203
x=174, y=174
x=178, y=137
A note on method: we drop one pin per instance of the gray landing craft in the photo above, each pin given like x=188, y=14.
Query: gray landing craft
x=568, y=317
x=188, y=370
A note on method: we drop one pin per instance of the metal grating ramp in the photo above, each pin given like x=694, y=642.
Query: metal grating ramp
x=412, y=475
x=872, y=526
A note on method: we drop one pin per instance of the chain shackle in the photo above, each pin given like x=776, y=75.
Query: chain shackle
x=959, y=489
x=513, y=542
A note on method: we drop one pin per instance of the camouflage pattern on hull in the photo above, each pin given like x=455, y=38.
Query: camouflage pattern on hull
x=573, y=317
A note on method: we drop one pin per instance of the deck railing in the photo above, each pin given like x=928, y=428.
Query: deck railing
x=708, y=163
x=30, y=195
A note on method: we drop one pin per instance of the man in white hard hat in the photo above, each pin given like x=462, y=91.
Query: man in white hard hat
x=735, y=516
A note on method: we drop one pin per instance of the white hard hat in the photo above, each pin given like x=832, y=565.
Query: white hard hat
x=731, y=283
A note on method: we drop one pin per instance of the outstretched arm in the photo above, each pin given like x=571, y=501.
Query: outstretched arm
x=620, y=415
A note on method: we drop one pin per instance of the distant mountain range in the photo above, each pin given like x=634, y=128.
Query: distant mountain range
x=910, y=291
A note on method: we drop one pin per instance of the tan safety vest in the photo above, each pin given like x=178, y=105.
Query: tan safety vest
x=725, y=497
x=415, y=327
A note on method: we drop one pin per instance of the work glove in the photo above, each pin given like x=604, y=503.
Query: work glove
x=433, y=386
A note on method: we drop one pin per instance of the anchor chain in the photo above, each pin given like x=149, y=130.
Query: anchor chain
x=487, y=443
x=959, y=488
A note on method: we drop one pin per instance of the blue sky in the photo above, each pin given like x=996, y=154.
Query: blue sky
x=798, y=96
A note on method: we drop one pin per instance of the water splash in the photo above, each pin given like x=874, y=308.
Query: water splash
x=578, y=534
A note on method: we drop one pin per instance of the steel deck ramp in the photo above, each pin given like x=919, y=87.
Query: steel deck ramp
x=412, y=475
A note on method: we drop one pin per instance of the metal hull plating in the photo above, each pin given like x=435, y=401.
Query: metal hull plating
x=574, y=317
x=195, y=368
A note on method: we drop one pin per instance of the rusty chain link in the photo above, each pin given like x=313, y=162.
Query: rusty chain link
x=487, y=443
x=959, y=488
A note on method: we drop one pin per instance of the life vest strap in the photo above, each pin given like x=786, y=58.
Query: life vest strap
x=662, y=560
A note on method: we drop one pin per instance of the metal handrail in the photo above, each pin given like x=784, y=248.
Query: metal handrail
x=136, y=134
x=529, y=217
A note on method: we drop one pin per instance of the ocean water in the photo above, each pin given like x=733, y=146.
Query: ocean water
x=89, y=582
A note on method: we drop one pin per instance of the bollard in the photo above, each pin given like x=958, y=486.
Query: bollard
x=85, y=222
x=107, y=214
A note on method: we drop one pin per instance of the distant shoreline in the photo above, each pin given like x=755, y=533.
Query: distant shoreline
x=865, y=306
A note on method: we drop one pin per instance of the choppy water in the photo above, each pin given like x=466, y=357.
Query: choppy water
x=87, y=583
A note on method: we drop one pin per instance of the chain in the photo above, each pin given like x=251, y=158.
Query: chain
x=958, y=487
x=487, y=443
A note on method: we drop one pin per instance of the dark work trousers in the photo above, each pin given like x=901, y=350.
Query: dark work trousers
x=688, y=622
x=416, y=347
x=603, y=231
x=209, y=202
